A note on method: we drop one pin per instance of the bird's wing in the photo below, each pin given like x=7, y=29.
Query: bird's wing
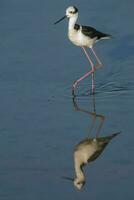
x=107, y=139
x=102, y=143
x=92, y=32
x=96, y=154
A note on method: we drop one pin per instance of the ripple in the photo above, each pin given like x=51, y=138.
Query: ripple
x=111, y=89
x=104, y=90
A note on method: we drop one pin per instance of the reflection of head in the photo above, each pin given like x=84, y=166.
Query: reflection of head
x=79, y=184
x=87, y=151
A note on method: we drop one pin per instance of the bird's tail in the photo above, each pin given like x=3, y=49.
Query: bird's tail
x=107, y=139
x=107, y=37
x=115, y=134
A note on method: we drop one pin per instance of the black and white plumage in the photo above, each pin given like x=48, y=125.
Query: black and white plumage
x=83, y=36
x=91, y=32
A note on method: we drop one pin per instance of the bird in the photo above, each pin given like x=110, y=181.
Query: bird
x=84, y=37
x=85, y=152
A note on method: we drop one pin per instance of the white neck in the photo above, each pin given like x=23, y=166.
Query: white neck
x=79, y=173
x=72, y=21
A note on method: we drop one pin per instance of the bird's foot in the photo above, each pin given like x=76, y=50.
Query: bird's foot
x=74, y=87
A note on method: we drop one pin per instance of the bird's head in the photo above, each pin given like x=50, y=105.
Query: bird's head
x=71, y=11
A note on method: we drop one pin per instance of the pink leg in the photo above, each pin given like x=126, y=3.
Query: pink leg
x=80, y=79
x=98, y=60
x=86, y=75
x=93, y=68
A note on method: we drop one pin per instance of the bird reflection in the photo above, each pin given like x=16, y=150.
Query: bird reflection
x=89, y=148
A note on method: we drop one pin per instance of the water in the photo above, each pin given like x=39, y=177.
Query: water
x=39, y=125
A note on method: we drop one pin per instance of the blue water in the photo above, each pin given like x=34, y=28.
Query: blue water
x=39, y=126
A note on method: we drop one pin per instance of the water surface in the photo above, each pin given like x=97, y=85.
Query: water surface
x=39, y=125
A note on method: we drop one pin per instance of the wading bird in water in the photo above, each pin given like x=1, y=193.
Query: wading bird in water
x=85, y=37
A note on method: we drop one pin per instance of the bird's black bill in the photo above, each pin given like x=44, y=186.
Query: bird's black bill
x=60, y=20
x=68, y=178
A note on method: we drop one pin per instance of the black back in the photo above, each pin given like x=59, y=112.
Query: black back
x=91, y=32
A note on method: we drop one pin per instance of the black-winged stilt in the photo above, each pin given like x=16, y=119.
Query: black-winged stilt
x=83, y=36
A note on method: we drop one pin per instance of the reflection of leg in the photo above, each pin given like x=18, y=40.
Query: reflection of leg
x=94, y=104
x=102, y=118
x=93, y=115
x=93, y=84
x=93, y=123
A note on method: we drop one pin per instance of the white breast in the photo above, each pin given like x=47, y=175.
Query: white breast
x=85, y=152
x=77, y=38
